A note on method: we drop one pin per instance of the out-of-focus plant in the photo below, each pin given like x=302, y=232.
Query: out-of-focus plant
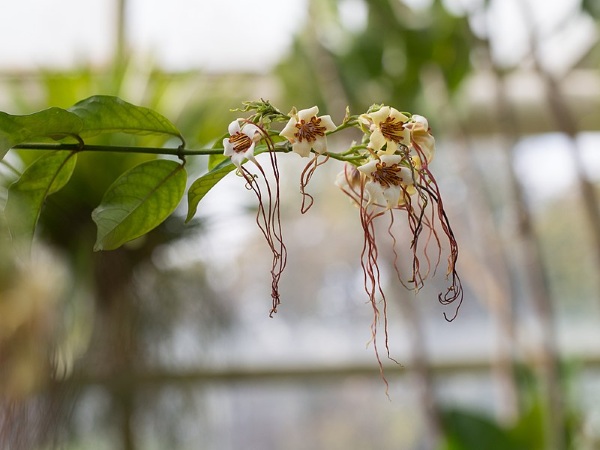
x=32, y=299
x=469, y=429
x=382, y=58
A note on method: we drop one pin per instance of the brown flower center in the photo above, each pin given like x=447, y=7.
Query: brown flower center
x=392, y=129
x=310, y=130
x=240, y=141
x=387, y=176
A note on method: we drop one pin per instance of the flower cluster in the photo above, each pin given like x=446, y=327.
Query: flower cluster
x=386, y=174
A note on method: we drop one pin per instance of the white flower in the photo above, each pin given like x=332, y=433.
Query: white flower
x=389, y=182
x=348, y=178
x=240, y=145
x=387, y=127
x=421, y=120
x=350, y=181
x=306, y=131
x=421, y=138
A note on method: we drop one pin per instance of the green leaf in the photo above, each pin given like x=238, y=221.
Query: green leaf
x=26, y=196
x=218, y=166
x=591, y=7
x=215, y=160
x=55, y=123
x=205, y=183
x=472, y=430
x=108, y=114
x=529, y=429
x=138, y=201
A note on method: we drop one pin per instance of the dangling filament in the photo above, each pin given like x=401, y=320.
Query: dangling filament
x=268, y=219
x=305, y=178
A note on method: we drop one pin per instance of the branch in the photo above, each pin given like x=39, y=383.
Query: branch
x=159, y=150
x=120, y=149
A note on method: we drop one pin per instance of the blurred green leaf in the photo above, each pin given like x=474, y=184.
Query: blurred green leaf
x=472, y=431
x=383, y=62
x=55, y=123
x=108, y=114
x=218, y=166
x=216, y=160
x=592, y=7
x=138, y=201
x=530, y=427
x=205, y=183
x=27, y=195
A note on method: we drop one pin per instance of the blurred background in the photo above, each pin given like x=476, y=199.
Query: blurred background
x=167, y=343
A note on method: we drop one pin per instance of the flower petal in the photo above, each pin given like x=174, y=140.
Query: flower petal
x=234, y=127
x=394, y=113
x=227, y=147
x=420, y=120
x=381, y=115
x=391, y=159
x=369, y=167
x=327, y=123
x=302, y=148
x=374, y=194
x=289, y=130
x=237, y=159
x=252, y=131
x=249, y=154
x=349, y=177
x=306, y=114
x=377, y=140
x=425, y=142
x=365, y=119
x=320, y=145
x=390, y=149
x=392, y=195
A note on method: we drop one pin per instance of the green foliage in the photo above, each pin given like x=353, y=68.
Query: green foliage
x=215, y=160
x=138, y=201
x=529, y=430
x=205, y=183
x=27, y=195
x=387, y=59
x=92, y=116
x=107, y=114
x=592, y=7
x=472, y=431
x=54, y=123
x=469, y=430
x=218, y=167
